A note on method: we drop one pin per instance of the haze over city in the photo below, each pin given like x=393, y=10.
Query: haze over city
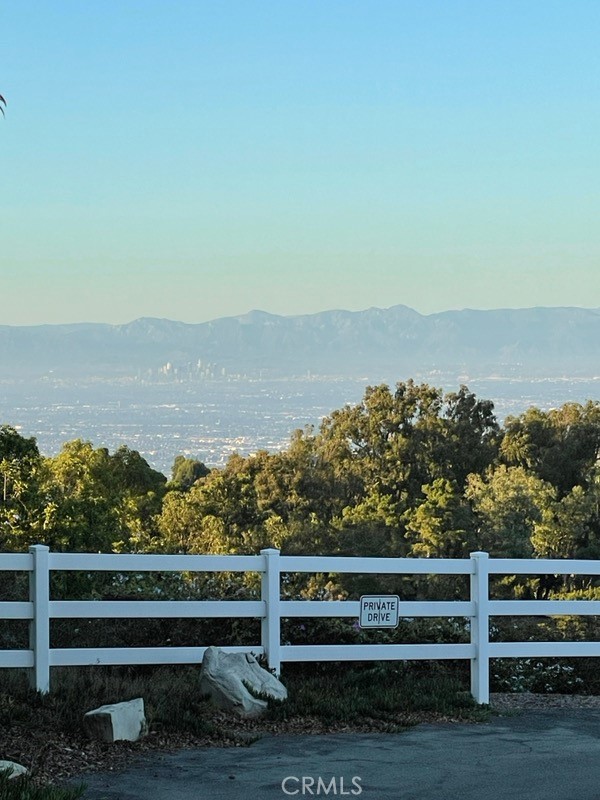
x=239, y=385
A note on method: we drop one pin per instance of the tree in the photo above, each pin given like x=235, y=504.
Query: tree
x=80, y=511
x=442, y=526
x=20, y=501
x=564, y=528
x=508, y=503
x=97, y=501
x=185, y=527
x=561, y=446
x=473, y=434
x=284, y=500
x=15, y=446
x=186, y=471
x=218, y=513
x=132, y=473
x=390, y=446
x=300, y=483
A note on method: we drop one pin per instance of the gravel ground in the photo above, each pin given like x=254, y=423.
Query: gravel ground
x=528, y=700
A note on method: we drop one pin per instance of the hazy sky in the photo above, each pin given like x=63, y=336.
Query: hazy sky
x=202, y=158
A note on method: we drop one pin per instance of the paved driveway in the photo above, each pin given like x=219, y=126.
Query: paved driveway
x=549, y=755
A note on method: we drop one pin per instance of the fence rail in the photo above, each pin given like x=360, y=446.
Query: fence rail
x=39, y=658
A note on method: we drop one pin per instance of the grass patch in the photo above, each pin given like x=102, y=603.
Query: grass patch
x=172, y=698
x=334, y=693
x=380, y=691
x=22, y=788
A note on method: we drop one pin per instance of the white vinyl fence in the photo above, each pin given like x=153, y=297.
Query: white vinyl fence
x=270, y=609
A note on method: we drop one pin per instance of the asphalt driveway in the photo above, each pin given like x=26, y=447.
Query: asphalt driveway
x=541, y=755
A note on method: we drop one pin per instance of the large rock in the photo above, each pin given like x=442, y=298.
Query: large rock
x=15, y=769
x=118, y=721
x=228, y=677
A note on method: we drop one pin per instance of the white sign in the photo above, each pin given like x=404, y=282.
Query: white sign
x=379, y=611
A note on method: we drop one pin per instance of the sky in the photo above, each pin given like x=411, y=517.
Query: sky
x=201, y=158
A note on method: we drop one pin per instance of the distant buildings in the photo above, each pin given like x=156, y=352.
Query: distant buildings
x=189, y=372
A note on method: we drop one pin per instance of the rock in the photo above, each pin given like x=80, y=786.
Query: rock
x=118, y=721
x=16, y=769
x=226, y=676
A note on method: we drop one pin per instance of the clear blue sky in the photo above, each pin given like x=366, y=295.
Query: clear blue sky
x=202, y=158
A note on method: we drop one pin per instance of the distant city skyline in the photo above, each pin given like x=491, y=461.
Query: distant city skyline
x=192, y=161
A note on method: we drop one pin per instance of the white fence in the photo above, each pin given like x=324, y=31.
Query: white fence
x=270, y=609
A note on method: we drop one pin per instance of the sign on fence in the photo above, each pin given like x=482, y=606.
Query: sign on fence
x=379, y=611
x=375, y=611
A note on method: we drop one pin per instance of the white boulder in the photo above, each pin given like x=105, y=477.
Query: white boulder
x=116, y=722
x=15, y=769
x=232, y=680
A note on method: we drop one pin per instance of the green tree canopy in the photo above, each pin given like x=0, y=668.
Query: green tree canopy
x=88, y=499
x=561, y=446
x=508, y=503
x=20, y=501
x=186, y=471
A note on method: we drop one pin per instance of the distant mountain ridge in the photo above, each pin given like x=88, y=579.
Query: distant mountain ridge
x=396, y=341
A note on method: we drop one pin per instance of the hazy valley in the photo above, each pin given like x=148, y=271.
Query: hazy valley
x=246, y=383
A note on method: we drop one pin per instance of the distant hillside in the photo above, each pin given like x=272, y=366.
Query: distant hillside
x=394, y=341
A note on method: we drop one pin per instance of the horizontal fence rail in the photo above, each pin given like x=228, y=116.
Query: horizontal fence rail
x=39, y=610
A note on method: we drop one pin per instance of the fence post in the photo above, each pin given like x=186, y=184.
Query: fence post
x=271, y=623
x=39, y=627
x=480, y=665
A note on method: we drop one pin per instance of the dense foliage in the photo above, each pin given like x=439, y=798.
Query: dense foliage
x=406, y=472
x=410, y=472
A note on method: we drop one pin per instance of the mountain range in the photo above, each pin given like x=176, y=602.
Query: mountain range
x=395, y=341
